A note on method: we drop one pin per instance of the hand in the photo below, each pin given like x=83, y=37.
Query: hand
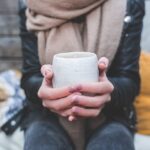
x=58, y=100
x=91, y=106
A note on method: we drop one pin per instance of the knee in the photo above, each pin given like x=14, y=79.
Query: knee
x=42, y=135
x=116, y=131
x=35, y=129
x=112, y=136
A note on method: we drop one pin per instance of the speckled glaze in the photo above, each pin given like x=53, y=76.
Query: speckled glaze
x=74, y=67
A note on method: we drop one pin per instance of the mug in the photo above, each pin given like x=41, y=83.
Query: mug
x=70, y=69
x=74, y=67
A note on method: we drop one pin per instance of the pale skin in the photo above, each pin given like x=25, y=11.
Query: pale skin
x=69, y=101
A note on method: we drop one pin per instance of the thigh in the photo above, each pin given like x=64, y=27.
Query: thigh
x=46, y=135
x=113, y=136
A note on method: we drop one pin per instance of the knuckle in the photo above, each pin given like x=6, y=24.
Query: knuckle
x=97, y=101
x=111, y=87
x=46, y=104
x=56, y=107
x=109, y=98
x=52, y=106
x=63, y=114
x=75, y=110
x=100, y=87
x=40, y=93
x=46, y=68
x=69, y=98
x=50, y=96
x=96, y=113
x=43, y=68
x=98, y=104
x=52, y=110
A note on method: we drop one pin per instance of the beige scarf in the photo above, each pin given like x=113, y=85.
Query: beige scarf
x=76, y=25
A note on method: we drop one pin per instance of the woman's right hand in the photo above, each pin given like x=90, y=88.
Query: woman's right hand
x=58, y=100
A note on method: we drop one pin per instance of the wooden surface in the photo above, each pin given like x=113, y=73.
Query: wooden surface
x=10, y=44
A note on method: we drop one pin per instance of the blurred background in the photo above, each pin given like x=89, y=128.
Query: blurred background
x=145, y=43
x=11, y=58
x=10, y=45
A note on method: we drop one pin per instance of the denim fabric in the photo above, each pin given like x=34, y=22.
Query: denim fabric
x=49, y=135
x=46, y=135
x=112, y=136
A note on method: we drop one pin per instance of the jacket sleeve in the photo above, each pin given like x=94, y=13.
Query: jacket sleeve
x=124, y=71
x=31, y=78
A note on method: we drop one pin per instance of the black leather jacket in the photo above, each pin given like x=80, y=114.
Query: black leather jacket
x=123, y=73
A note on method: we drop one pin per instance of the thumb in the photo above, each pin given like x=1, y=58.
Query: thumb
x=103, y=65
x=47, y=72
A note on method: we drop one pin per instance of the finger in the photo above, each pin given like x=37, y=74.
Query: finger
x=103, y=65
x=72, y=118
x=91, y=102
x=96, y=87
x=47, y=72
x=47, y=82
x=65, y=113
x=86, y=113
x=56, y=93
x=59, y=104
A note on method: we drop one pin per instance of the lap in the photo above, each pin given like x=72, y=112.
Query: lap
x=45, y=135
x=112, y=136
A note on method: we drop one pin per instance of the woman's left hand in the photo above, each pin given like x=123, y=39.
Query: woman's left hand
x=91, y=106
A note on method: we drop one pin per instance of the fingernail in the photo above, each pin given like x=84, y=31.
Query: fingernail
x=71, y=118
x=102, y=62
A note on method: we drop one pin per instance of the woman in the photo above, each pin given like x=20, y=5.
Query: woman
x=120, y=86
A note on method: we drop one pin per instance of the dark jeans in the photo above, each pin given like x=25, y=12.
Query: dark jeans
x=48, y=135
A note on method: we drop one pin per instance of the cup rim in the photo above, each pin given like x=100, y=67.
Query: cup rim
x=77, y=55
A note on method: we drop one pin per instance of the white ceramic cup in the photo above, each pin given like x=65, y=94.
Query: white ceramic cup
x=70, y=69
x=74, y=67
